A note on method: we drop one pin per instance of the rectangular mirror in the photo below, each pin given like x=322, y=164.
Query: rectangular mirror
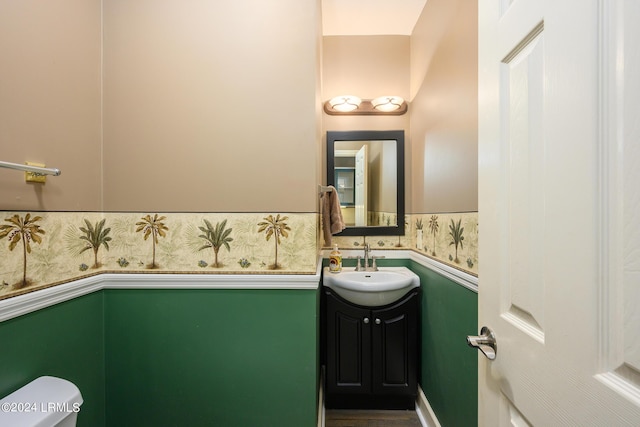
x=367, y=169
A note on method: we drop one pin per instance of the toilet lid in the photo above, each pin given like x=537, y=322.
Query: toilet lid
x=45, y=401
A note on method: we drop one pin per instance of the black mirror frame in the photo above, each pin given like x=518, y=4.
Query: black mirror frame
x=371, y=135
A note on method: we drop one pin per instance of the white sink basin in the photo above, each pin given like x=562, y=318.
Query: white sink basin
x=371, y=288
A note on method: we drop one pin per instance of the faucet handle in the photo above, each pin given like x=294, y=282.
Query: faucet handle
x=358, y=266
x=374, y=267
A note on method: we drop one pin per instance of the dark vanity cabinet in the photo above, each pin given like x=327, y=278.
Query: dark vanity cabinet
x=371, y=353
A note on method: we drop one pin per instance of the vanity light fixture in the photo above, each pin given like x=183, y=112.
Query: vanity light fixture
x=345, y=103
x=352, y=105
x=387, y=103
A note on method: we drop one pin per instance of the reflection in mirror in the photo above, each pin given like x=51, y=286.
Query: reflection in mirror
x=365, y=177
x=367, y=169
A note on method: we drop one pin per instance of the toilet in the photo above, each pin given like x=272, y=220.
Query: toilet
x=44, y=402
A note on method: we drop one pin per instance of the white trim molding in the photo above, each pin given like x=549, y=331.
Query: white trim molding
x=425, y=413
x=36, y=300
x=460, y=277
x=210, y=281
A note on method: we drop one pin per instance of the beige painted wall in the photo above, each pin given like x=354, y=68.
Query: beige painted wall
x=368, y=67
x=436, y=70
x=208, y=106
x=168, y=142
x=211, y=106
x=444, y=108
x=50, y=102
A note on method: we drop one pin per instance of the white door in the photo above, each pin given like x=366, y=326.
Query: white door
x=559, y=212
x=361, y=172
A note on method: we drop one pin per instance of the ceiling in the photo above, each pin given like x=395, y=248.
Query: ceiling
x=370, y=17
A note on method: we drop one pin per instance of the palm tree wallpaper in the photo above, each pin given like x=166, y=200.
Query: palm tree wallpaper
x=25, y=230
x=82, y=244
x=437, y=241
x=434, y=227
x=274, y=227
x=457, y=236
x=215, y=238
x=153, y=227
x=95, y=236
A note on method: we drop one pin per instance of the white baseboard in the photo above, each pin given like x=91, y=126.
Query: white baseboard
x=425, y=413
x=423, y=409
x=321, y=399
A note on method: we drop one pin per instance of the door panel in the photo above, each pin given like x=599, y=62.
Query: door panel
x=522, y=85
x=362, y=187
x=620, y=343
x=629, y=162
x=510, y=415
x=559, y=208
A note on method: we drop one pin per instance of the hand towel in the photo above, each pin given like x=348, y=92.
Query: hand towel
x=332, y=221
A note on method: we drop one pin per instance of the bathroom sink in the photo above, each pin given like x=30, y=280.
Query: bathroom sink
x=371, y=288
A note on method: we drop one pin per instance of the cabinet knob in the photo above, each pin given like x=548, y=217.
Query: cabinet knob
x=366, y=320
x=377, y=321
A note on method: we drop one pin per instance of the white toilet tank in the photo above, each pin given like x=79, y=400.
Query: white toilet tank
x=44, y=402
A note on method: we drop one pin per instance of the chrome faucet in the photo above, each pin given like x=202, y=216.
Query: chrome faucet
x=367, y=267
x=367, y=249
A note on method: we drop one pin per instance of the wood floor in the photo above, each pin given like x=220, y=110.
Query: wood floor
x=367, y=418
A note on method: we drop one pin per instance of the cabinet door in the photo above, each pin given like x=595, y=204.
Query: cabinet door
x=348, y=348
x=395, y=347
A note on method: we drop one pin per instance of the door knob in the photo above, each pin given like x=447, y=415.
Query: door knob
x=485, y=342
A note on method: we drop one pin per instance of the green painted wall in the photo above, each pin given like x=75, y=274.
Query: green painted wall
x=211, y=357
x=65, y=340
x=449, y=376
x=231, y=357
x=175, y=357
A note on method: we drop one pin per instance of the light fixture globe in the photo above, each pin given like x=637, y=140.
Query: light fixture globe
x=387, y=103
x=345, y=103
